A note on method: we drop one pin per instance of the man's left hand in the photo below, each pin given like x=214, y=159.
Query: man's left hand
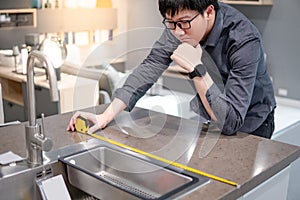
x=187, y=56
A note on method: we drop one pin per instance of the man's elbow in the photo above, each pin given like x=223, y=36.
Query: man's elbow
x=231, y=128
x=229, y=132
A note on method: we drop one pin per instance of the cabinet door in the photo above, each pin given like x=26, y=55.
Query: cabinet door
x=13, y=112
x=43, y=103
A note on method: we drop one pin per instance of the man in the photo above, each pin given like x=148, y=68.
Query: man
x=246, y=103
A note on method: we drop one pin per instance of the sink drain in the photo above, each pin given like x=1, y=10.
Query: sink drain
x=128, y=186
x=88, y=197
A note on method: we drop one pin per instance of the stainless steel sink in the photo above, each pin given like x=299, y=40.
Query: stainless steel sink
x=107, y=173
x=21, y=182
x=18, y=181
x=96, y=170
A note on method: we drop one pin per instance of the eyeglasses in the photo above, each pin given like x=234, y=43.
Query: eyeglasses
x=182, y=24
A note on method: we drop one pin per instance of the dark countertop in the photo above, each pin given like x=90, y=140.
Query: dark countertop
x=245, y=159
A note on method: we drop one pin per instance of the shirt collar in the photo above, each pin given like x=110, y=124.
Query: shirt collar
x=215, y=33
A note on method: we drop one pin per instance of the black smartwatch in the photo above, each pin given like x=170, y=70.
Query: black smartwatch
x=199, y=70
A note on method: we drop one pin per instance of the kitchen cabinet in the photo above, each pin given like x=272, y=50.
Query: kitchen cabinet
x=13, y=105
x=43, y=103
x=248, y=2
x=275, y=187
x=290, y=135
x=13, y=111
x=74, y=93
x=15, y=100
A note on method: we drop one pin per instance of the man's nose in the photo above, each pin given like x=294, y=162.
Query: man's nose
x=178, y=31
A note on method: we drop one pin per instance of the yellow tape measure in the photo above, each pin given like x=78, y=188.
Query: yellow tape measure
x=82, y=125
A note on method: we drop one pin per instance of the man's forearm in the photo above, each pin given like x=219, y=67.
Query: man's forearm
x=202, y=84
x=115, y=107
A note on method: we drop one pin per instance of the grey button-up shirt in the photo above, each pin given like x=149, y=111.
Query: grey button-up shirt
x=242, y=96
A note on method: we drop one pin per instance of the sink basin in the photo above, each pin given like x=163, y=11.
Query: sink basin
x=107, y=173
x=20, y=181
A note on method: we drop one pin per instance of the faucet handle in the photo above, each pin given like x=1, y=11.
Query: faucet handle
x=42, y=130
x=47, y=143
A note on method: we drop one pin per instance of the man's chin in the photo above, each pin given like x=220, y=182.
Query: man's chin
x=190, y=42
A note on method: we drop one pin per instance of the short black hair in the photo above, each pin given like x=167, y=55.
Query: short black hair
x=172, y=7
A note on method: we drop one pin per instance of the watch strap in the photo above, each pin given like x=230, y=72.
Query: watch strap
x=199, y=70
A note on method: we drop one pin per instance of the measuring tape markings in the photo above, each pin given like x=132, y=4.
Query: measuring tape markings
x=163, y=160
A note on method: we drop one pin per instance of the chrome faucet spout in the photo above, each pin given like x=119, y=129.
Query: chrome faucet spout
x=35, y=138
x=30, y=82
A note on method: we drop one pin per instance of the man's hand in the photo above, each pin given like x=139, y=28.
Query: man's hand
x=187, y=56
x=99, y=121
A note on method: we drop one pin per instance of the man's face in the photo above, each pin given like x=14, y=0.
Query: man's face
x=199, y=26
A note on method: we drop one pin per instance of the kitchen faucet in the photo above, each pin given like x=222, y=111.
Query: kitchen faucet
x=36, y=142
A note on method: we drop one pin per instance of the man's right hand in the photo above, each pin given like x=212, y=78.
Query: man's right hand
x=99, y=121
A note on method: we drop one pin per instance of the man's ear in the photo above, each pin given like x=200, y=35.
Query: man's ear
x=209, y=11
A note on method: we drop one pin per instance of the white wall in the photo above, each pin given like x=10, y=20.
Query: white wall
x=139, y=25
x=144, y=27
x=109, y=51
x=280, y=27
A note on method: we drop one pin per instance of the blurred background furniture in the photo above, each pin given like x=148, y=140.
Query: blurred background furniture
x=107, y=76
x=1, y=107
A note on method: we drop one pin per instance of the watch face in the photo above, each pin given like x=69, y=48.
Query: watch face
x=200, y=70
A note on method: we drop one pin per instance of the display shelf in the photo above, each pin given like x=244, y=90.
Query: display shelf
x=80, y=19
x=59, y=20
x=14, y=18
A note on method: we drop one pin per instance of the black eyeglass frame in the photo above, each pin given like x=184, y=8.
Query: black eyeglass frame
x=177, y=23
